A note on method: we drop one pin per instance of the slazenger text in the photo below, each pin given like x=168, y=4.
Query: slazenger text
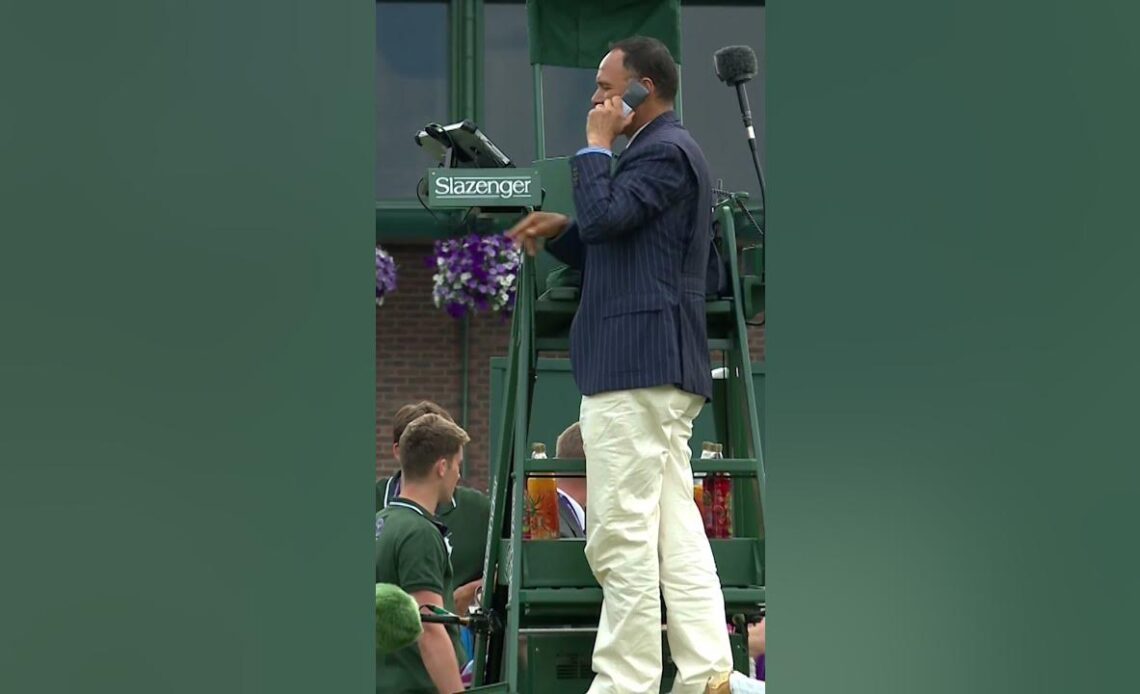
x=463, y=187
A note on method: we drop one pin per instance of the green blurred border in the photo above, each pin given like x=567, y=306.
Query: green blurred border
x=187, y=347
x=951, y=350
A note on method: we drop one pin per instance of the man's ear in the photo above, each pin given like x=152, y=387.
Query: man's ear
x=396, y=451
x=649, y=86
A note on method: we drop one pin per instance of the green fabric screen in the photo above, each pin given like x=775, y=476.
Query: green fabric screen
x=577, y=33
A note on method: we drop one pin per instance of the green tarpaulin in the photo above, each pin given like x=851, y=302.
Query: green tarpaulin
x=577, y=33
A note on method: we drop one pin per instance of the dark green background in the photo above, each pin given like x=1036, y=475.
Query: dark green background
x=952, y=346
x=186, y=428
x=186, y=434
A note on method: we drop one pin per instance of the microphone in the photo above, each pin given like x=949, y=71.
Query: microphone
x=736, y=65
x=397, y=619
x=399, y=622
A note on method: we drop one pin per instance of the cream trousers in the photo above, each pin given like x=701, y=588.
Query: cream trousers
x=645, y=538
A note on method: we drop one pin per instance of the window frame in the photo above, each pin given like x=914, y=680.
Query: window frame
x=403, y=218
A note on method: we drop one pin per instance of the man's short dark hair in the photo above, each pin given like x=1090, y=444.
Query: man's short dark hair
x=426, y=440
x=648, y=57
x=409, y=413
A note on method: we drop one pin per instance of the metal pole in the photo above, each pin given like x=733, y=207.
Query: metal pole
x=539, y=131
x=465, y=337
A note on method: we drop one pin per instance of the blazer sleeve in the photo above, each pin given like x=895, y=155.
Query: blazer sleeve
x=568, y=247
x=649, y=182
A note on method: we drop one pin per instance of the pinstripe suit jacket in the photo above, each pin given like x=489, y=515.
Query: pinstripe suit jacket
x=641, y=238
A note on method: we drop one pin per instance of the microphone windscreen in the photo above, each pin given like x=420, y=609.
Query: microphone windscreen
x=735, y=64
x=397, y=619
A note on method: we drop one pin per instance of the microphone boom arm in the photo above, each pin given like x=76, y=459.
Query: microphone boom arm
x=746, y=112
x=485, y=622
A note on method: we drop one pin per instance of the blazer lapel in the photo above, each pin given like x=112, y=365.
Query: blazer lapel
x=568, y=520
x=647, y=134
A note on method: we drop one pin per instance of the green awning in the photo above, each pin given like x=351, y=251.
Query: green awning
x=577, y=33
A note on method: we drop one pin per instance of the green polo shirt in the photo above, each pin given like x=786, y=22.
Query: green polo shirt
x=413, y=552
x=467, y=517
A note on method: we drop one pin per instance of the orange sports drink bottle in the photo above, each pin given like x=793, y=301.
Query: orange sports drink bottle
x=540, y=515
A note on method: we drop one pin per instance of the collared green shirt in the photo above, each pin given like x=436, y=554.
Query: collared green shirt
x=413, y=551
x=466, y=516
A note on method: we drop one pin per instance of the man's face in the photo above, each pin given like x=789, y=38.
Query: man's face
x=612, y=78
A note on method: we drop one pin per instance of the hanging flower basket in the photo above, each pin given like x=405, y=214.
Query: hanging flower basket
x=475, y=274
x=385, y=275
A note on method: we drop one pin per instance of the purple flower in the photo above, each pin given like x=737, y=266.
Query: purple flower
x=475, y=273
x=385, y=275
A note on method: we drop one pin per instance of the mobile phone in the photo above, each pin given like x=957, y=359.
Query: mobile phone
x=635, y=93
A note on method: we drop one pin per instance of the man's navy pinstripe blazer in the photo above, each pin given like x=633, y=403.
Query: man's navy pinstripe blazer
x=641, y=238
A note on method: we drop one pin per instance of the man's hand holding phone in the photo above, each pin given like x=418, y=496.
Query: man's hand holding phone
x=611, y=117
x=605, y=122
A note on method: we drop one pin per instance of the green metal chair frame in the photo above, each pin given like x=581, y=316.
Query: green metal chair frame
x=542, y=583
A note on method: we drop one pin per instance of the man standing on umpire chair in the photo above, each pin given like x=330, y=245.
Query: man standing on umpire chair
x=639, y=352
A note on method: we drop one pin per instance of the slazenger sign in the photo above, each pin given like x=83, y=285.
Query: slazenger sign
x=484, y=188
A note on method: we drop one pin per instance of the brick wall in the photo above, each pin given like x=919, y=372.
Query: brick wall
x=489, y=337
x=756, y=339
x=419, y=357
x=417, y=350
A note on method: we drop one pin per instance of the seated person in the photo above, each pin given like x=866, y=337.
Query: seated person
x=413, y=551
x=571, y=490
